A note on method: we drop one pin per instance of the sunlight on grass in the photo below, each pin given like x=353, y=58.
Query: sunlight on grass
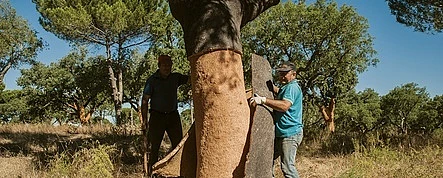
x=93, y=162
x=427, y=162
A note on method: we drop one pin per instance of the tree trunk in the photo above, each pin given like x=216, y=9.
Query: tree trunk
x=213, y=46
x=221, y=113
x=119, y=102
x=328, y=114
x=83, y=115
x=4, y=70
x=116, y=90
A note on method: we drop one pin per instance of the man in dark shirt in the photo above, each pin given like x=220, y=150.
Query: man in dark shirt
x=161, y=91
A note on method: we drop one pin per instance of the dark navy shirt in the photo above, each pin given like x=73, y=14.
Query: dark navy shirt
x=163, y=92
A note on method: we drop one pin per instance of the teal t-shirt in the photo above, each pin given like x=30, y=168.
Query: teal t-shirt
x=289, y=123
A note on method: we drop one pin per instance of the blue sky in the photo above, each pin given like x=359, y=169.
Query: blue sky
x=405, y=56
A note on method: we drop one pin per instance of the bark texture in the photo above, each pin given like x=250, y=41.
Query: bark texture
x=221, y=114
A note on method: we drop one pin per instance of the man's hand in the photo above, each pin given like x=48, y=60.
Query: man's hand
x=257, y=99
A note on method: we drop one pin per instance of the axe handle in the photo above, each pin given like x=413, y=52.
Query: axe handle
x=146, y=143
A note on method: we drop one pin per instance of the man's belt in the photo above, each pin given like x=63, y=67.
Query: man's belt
x=162, y=112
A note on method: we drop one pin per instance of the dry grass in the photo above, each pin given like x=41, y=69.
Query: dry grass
x=17, y=167
x=427, y=162
x=322, y=167
x=29, y=150
x=43, y=143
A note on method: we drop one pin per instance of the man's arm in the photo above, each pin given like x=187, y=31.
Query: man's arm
x=184, y=79
x=279, y=105
x=144, y=122
x=145, y=103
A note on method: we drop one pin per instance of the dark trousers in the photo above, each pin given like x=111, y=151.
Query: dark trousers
x=159, y=123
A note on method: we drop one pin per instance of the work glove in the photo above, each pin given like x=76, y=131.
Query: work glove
x=257, y=99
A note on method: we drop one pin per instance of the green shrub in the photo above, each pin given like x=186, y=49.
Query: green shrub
x=437, y=137
x=92, y=162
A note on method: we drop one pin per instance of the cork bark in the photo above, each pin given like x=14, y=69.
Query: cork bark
x=221, y=114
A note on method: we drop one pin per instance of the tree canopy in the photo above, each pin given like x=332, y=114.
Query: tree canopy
x=422, y=15
x=359, y=112
x=19, y=44
x=12, y=105
x=75, y=85
x=401, y=106
x=102, y=22
x=117, y=26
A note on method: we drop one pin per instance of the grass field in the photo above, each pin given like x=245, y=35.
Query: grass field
x=47, y=151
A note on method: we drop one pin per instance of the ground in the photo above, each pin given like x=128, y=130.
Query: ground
x=26, y=150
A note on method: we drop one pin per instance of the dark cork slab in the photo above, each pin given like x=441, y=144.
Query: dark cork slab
x=260, y=156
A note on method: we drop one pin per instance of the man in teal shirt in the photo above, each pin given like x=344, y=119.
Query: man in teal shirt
x=288, y=109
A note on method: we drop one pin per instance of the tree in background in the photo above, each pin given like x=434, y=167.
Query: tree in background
x=430, y=117
x=422, y=15
x=136, y=69
x=12, y=105
x=118, y=26
x=104, y=113
x=359, y=112
x=18, y=43
x=357, y=115
x=401, y=108
x=129, y=118
x=75, y=85
x=329, y=45
x=187, y=119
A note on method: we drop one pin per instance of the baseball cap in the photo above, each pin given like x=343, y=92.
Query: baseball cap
x=285, y=67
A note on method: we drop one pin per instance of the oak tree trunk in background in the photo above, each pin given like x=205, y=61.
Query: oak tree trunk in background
x=212, y=39
x=328, y=115
x=82, y=115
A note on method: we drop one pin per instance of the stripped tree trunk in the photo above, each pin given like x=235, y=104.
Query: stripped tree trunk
x=212, y=39
x=222, y=114
x=81, y=113
x=328, y=114
x=84, y=117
